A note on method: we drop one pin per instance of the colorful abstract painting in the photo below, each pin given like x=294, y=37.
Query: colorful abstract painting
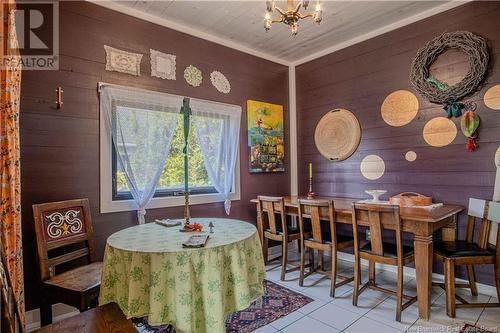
x=265, y=137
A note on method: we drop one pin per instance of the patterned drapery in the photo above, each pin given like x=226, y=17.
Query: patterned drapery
x=10, y=201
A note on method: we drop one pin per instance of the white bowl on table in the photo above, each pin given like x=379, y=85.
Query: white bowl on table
x=376, y=194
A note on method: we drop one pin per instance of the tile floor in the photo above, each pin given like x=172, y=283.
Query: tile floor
x=376, y=311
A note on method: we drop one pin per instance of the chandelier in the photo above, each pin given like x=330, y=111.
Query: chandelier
x=291, y=15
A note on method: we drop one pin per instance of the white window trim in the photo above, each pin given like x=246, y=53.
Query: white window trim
x=108, y=205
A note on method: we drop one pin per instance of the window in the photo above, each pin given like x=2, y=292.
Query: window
x=138, y=120
x=171, y=182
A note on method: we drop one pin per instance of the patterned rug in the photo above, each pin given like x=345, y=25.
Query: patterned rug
x=277, y=302
x=473, y=329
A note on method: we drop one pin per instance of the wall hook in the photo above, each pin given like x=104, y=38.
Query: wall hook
x=59, y=97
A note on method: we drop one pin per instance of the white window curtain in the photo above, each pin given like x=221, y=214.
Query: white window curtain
x=218, y=129
x=142, y=124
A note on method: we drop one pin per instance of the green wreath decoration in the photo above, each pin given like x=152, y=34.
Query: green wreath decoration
x=439, y=92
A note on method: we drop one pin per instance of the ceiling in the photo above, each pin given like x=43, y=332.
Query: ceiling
x=240, y=24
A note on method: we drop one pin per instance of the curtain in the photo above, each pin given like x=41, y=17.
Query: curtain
x=142, y=124
x=10, y=210
x=218, y=129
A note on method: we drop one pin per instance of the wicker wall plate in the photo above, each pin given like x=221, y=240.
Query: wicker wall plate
x=372, y=167
x=440, y=132
x=410, y=156
x=492, y=97
x=399, y=108
x=337, y=134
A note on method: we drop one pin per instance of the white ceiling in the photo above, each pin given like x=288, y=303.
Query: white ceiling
x=240, y=24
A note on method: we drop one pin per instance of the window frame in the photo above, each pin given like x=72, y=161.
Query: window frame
x=109, y=203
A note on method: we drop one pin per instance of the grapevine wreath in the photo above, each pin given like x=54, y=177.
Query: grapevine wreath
x=439, y=92
x=451, y=97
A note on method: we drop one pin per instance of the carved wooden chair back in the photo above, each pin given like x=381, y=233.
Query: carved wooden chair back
x=61, y=224
x=372, y=216
x=267, y=209
x=311, y=209
x=10, y=321
x=488, y=214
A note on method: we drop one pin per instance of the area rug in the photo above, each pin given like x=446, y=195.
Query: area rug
x=473, y=329
x=277, y=302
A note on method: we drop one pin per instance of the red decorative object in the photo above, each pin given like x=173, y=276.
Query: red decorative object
x=471, y=144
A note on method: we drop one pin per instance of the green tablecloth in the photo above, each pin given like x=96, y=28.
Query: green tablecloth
x=148, y=273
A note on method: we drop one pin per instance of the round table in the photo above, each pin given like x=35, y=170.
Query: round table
x=148, y=273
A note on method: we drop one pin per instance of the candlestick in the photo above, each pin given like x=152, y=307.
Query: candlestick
x=310, y=194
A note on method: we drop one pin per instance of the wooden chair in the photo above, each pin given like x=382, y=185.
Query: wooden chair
x=59, y=226
x=276, y=230
x=10, y=321
x=379, y=218
x=317, y=241
x=107, y=318
x=469, y=253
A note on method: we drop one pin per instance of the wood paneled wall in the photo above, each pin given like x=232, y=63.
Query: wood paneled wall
x=60, y=148
x=359, y=77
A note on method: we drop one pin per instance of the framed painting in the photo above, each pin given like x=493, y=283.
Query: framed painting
x=266, y=144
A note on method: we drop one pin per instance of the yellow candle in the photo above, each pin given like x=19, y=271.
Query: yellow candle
x=310, y=170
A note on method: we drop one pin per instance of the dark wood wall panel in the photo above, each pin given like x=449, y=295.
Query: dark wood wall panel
x=60, y=148
x=359, y=78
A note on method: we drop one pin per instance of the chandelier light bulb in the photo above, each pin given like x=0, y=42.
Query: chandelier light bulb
x=270, y=5
x=267, y=16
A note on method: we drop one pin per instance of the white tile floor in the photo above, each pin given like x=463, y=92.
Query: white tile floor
x=376, y=311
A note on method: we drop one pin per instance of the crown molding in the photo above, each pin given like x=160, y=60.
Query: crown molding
x=380, y=31
x=187, y=30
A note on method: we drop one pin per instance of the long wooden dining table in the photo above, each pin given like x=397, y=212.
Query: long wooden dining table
x=421, y=222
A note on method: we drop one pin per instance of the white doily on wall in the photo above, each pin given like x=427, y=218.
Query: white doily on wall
x=220, y=82
x=162, y=65
x=192, y=75
x=122, y=61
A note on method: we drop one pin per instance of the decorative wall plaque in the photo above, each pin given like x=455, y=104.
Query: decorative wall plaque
x=492, y=97
x=220, y=82
x=399, y=108
x=122, y=61
x=440, y=132
x=372, y=167
x=337, y=134
x=192, y=75
x=162, y=65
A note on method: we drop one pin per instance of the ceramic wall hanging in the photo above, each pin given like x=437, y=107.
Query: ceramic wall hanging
x=192, y=75
x=220, y=82
x=337, y=135
x=438, y=92
x=122, y=61
x=162, y=65
x=469, y=125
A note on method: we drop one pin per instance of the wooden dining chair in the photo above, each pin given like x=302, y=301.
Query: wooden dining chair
x=379, y=218
x=65, y=228
x=10, y=319
x=486, y=250
x=277, y=230
x=316, y=240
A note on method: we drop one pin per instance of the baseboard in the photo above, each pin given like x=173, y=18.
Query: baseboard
x=60, y=311
x=481, y=288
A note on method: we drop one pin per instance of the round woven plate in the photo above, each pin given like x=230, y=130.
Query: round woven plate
x=337, y=134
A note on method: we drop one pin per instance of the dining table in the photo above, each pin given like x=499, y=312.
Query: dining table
x=148, y=273
x=421, y=222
